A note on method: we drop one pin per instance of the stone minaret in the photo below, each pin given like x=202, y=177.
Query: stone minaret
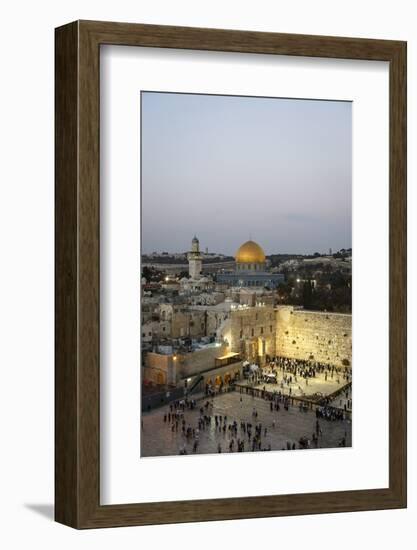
x=195, y=260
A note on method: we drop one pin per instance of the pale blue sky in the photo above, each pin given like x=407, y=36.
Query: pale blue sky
x=226, y=168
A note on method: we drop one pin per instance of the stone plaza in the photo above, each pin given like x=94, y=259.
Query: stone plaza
x=321, y=384
x=279, y=429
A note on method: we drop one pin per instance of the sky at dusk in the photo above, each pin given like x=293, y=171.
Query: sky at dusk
x=229, y=168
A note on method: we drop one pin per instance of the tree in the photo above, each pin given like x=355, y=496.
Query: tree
x=307, y=294
x=284, y=291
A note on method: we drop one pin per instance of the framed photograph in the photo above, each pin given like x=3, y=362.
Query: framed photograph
x=230, y=274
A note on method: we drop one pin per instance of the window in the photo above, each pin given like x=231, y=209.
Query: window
x=253, y=332
x=270, y=328
x=262, y=330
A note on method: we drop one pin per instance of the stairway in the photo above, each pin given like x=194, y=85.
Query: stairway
x=194, y=384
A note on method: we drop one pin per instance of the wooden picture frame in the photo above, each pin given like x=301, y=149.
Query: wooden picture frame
x=77, y=359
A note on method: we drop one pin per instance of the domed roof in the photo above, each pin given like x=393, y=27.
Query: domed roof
x=250, y=253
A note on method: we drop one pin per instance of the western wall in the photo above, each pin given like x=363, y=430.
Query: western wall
x=318, y=336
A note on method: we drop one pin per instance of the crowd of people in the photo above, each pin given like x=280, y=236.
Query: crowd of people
x=238, y=435
x=292, y=377
x=241, y=435
x=330, y=413
x=294, y=369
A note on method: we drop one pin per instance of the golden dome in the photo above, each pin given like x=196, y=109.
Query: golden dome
x=250, y=253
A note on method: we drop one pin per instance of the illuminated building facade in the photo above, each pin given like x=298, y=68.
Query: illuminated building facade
x=251, y=269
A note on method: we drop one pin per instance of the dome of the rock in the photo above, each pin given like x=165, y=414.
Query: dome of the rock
x=251, y=253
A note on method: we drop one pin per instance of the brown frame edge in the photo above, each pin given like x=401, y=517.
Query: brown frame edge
x=77, y=377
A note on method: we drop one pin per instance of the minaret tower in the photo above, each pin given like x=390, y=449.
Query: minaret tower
x=195, y=260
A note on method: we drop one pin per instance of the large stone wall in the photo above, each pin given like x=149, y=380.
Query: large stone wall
x=197, y=361
x=253, y=332
x=160, y=369
x=170, y=369
x=319, y=336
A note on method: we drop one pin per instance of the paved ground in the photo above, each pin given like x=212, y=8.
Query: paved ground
x=304, y=387
x=158, y=439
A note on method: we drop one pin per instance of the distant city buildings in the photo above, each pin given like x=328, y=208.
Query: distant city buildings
x=202, y=322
